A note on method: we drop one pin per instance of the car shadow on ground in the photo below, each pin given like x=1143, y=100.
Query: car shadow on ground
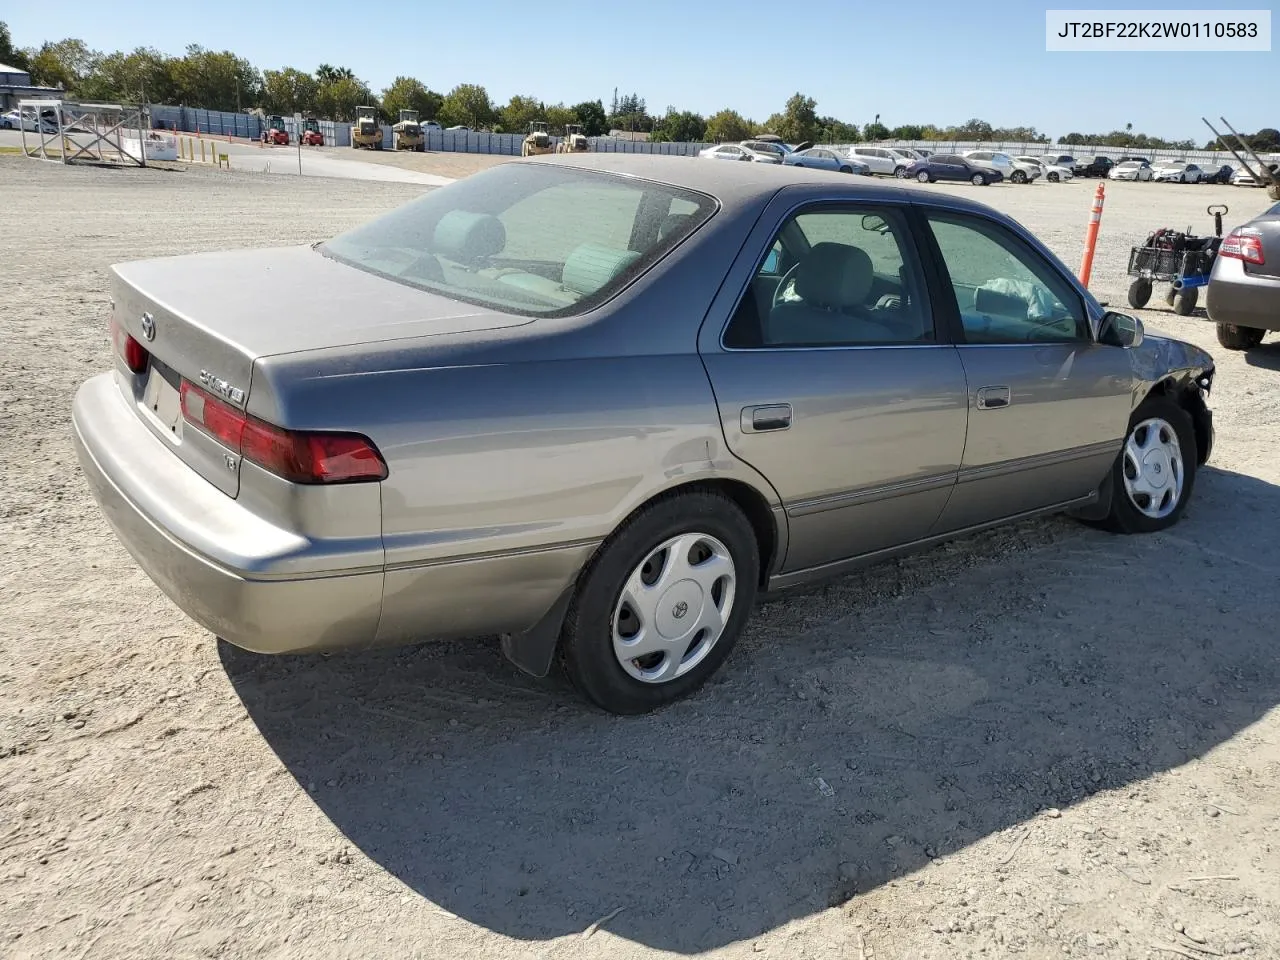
x=1266, y=355
x=860, y=730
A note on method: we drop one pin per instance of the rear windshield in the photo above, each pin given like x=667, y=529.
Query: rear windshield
x=527, y=238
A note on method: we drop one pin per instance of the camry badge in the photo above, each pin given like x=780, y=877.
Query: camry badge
x=221, y=387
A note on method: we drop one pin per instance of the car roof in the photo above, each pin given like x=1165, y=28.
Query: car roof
x=735, y=184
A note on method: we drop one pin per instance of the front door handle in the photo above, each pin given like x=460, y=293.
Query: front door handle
x=766, y=417
x=993, y=398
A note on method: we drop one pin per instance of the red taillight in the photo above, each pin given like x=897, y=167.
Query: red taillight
x=135, y=354
x=299, y=456
x=1243, y=244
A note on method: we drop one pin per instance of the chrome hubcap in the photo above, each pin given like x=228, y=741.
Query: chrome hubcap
x=674, y=607
x=1153, y=469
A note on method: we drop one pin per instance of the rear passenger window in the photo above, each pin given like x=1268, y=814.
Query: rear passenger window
x=850, y=280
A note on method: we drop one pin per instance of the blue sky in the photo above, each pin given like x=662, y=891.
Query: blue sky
x=929, y=61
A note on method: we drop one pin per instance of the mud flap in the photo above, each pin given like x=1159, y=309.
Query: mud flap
x=1100, y=509
x=534, y=649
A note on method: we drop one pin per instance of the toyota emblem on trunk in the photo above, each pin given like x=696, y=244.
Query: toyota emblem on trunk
x=148, y=326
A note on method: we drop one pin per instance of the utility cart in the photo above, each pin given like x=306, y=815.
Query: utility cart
x=1182, y=260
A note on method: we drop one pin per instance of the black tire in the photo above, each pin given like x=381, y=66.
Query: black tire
x=923, y=177
x=1185, y=302
x=1125, y=517
x=846, y=169
x=1239, y=338
x=1139, y=293
x=1053, y=178
x=978, y=180
x=377, y=145
x=1170, y=297
x=900, y=172
x=1018, y=176
x=586, y=644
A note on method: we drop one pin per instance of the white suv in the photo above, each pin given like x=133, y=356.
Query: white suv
x=1012, y=171
x=882, y=159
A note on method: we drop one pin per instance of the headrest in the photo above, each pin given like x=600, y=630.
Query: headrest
x=466, y=237
x=673, y=223
x=1002, y=304
x=592, y=265
x=835, y=275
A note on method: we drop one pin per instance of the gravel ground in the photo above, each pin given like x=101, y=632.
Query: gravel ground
x=1038, y=742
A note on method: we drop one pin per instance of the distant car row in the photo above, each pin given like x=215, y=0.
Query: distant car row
x=979, y=167
x=1180, y=171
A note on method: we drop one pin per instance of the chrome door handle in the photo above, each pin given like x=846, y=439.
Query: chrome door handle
x=993, y=398
x=766, y=417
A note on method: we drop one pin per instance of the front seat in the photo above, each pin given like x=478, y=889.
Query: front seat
x=833, y=282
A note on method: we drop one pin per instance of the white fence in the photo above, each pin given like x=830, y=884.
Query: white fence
x=221, y=123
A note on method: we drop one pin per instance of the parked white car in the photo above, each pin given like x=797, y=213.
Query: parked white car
x=1131, y=170
x=1175, y=171
x=14, y=121
x=882, y=160
x=736, y=151
x=1052, y=172
x=1002, y=162
x=1243, y=178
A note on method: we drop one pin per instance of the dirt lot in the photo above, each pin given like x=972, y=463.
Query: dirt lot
x=1040, y=742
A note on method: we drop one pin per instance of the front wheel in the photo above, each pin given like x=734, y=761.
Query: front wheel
x=1185, y=302
x=900, y=172
x=923, y=177
x=978, y=180
x=1139, y=293
x=1053, y=178
x=1156, y=469
x=846, y=169
x=661, y=604
x=1018, y=176
x=1239, y=338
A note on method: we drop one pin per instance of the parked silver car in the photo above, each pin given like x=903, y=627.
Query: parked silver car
x=594, y=404
x=1244, y=287
x=822, y=158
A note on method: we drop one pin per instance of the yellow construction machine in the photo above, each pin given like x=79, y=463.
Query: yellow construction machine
x=409, y=134
x=538, y=142
x=366, y=131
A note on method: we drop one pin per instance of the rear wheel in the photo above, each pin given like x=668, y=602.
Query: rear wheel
x=1156, y=469
x=1239, y=338
x=923, y=177
x=1139, y=293
x=1185, y=302
x=662, y=603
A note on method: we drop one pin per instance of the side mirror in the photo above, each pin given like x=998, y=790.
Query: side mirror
x=1120, y=330
x=874, y=224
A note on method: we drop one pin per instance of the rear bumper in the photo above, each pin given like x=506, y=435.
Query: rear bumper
x=1240, y=299
x=231, y=586
x=271, y=590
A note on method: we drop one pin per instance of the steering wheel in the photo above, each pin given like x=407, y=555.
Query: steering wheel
x=788, y=279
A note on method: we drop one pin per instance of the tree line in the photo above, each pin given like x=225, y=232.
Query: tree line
x=221, y=80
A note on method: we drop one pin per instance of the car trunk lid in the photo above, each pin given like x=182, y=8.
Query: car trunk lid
x=208, y=318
